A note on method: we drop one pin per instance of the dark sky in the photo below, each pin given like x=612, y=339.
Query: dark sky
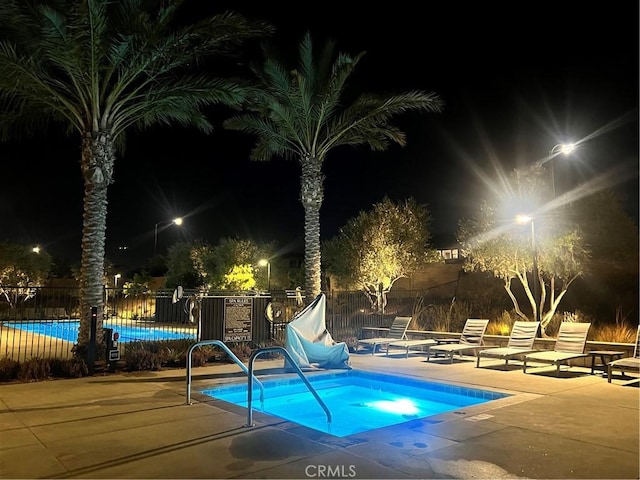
x=517, y=79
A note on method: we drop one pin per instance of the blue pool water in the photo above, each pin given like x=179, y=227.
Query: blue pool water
x=68, y=330
x=358, y=401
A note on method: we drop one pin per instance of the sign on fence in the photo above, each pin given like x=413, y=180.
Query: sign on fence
x=238, y=315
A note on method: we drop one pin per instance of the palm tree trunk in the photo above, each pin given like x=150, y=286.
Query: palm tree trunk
x=97, y=169
x=311, y=196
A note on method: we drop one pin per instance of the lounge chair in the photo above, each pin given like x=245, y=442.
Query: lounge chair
x=572, y=338
x=470, y=340
x=629, y=363
x=397, y=331
x=407, y=344
x=523, y=335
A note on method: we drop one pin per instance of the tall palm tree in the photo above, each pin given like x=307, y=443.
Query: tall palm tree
x=301, y=114
x=100, y=68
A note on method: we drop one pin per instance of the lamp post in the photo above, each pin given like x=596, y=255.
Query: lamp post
x=177, y=221
x=565, y=149
x=266, y=263
x=523, y=219
x=116, y=277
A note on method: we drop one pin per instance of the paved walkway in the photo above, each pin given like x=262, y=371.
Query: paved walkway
x=138, y=425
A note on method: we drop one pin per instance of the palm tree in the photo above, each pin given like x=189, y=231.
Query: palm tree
x=100, y=68
x=300, y=114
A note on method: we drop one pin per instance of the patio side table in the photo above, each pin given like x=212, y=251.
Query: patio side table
x=606, y=356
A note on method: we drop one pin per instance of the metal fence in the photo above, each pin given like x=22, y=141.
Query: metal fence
x=43, y=322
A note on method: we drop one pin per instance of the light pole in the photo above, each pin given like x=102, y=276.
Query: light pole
x=523, y=219
x=266, y=263
x=565, y=149
x=115, y=286
x=177, y=221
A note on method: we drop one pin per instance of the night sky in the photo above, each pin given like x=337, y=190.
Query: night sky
x=517, y=79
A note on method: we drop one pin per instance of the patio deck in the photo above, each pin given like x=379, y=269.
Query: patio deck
x=138, y=425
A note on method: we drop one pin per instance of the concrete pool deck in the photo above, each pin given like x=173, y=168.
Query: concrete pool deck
x=138, y=425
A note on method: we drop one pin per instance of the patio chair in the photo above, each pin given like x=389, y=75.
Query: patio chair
x=523, y=335
x=629, y=363
x=407, y=344
x=397, y=331
x=570, y=344
x=470, y=340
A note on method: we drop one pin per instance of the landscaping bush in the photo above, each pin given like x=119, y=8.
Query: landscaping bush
x=34, y=369
x=8, y=369
x=68, y=368
x=139, y=358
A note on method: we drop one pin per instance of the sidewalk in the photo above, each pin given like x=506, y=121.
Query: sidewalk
x=138, y=425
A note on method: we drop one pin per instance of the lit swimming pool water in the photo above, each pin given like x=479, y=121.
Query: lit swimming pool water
x=358, y=401
x=68, y=330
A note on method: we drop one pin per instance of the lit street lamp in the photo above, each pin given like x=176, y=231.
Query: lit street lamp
x=523, y=219
x=35, y=249
x=565, y=149
x=177, y=221
x=265, y=263
x=115, y=286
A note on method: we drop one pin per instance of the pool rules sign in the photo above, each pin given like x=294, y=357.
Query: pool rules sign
x=238, y=313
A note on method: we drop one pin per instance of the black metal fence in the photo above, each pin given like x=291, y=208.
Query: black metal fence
x=43, y=322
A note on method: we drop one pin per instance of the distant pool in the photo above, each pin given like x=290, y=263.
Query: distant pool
x=358, y=401
x=68, y=330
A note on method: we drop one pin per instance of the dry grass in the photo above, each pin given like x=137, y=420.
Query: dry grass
x=619, y=333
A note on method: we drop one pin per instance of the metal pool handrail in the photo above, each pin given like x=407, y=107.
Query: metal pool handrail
x=282, y=350
x=221, y=344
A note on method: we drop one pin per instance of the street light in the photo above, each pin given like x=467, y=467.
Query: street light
x=35, y=249
x=115, y=286
x=177, y=221
x=523, y=219
x=265, y=263
x=565, y=149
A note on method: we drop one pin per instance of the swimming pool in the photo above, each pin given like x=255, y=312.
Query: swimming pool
x=68, y=330
x=359, y=401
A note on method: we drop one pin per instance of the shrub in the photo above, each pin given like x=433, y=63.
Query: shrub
x=137, y=359
x=502, y=325
x=68, y=368
x=618, y=333
x=242, y=350
x=8, y=369
x=34, y=369
x=200, y=356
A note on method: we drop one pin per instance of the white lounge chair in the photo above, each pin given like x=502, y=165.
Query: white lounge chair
x=470, y=340
x=521, y=340
x=626, y=364
x=570, y=344
x=397, y=331
x=407, y=344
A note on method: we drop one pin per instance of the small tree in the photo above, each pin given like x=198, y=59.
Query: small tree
x=375, y=249
x=234, y=264
x=22, y=268
x=611, y=279
x=181, y=268
x=493, y=242
x=231, y=264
